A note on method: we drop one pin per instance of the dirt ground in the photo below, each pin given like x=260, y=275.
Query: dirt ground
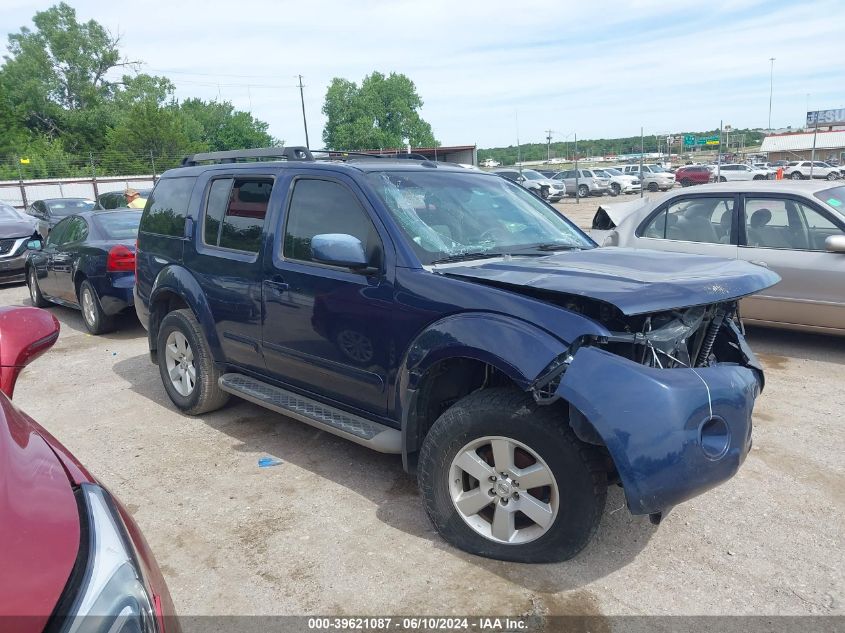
x=338, y=529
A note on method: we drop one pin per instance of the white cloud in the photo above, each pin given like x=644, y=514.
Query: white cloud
x=603, y=69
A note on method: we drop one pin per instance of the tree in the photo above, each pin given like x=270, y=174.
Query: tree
x=222, y=127
x=382, y=113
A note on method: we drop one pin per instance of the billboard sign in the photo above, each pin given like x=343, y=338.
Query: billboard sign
x=826, y=117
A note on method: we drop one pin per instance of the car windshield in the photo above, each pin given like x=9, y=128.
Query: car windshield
x=657, y=169
x=462, y=216
x=612, y=172
x=70, y=206
x=119, y=226
x=530, y=174
x=833, y=197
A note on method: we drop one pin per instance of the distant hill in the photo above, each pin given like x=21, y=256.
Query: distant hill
x=608, y=146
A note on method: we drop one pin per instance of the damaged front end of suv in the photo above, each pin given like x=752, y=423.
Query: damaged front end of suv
x=669, y=394
x=667, y=391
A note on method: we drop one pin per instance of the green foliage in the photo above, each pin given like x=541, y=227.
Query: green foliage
x=382, y=113
x=60, y=109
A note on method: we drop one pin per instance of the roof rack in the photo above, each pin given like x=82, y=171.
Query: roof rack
x=339, y=154
x=238, y=155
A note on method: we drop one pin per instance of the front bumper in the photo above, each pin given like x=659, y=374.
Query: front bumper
x=12, y=269
x=672, y=433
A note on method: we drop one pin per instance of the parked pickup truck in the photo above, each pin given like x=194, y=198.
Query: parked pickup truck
x=454, y=318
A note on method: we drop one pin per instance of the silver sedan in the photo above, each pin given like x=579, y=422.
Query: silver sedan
x=795, y=228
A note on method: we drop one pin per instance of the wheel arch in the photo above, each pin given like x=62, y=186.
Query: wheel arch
x=176, y=288
x=460, y=354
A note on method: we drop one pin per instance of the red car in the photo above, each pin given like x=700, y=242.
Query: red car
x=693, y=175
x=71, y=557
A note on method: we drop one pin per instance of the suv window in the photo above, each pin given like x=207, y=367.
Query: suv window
x=235, y=212
x=706, y=220
x=168, y=206
x=322, y=206
x=56, y=235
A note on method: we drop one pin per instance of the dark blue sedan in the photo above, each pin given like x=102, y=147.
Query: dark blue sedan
x=87, y=263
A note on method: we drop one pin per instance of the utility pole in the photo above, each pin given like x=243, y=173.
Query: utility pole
x=719, y=159
x=549, y=145
x=577, y=192
x=304, y=121
x=771, y=83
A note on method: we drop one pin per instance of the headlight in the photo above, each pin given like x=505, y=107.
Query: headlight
x=112, y=597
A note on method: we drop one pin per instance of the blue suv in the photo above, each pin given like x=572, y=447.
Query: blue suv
x=452, y=317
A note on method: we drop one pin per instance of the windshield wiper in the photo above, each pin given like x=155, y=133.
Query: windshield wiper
x=461, y=257
x=556, y=246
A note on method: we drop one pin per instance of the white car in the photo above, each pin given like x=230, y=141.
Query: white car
x=738, y=171
x=653, y=177
x=800, y=170
x=546, y=188
x=489, y=162
x=619, y=182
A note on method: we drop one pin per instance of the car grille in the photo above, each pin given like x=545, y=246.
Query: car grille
x=6, y=246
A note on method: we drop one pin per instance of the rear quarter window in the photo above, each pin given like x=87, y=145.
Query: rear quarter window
x=167, y=207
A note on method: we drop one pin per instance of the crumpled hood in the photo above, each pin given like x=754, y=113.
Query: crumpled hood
x=635, y=281
x=16, y=228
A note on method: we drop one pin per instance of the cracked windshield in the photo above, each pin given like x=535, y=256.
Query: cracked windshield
x=454, y=217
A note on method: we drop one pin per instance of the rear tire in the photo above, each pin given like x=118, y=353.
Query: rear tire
x=722, y=179
x=186, y=365
x=796, y=175
x=35, y=295
x=583, y=191
x=502, y=430
x=686, y=182
x=832, y=176
x=652, y=186
x=97, y=321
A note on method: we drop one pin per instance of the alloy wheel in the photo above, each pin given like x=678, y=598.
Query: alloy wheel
x=503, y=490
x=33, y=285
x=179, y=360
x=89, y=309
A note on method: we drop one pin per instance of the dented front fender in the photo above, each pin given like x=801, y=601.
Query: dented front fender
x=672, y=433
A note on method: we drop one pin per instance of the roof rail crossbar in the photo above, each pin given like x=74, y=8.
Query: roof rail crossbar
x=233, y=156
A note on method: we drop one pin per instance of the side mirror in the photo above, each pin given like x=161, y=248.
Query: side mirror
x=34, y=245
x=835, y=244
x=25, y=334
x=338, y=249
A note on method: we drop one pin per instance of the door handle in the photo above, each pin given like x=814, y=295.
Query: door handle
x=758, y=263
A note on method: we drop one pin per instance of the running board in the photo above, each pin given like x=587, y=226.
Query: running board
x=352, y=427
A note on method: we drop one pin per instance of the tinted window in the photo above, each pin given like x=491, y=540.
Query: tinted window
x=706, y=220
x=167, y=207
x=77, y=231
x=119, y=226
x=215, y=209
x=321, y=206
x=245, y=213
x=56, y=235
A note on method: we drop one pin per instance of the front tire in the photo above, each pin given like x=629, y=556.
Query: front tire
x=505, y=478
x=97, y=321
x=796, y=175
x=187, y=368
x=615, y=189
x=583, y=191
x=722, y=179
x=35, y=295
x=652, y=186
x=832, y=176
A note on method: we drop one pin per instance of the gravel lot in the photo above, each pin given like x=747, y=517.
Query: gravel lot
x=337, y=529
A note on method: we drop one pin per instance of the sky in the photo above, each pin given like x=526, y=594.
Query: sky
x=489, y=72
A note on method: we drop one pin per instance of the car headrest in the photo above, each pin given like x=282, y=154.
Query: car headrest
x=760, y=218
x=727, y=218
x=697, y=210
